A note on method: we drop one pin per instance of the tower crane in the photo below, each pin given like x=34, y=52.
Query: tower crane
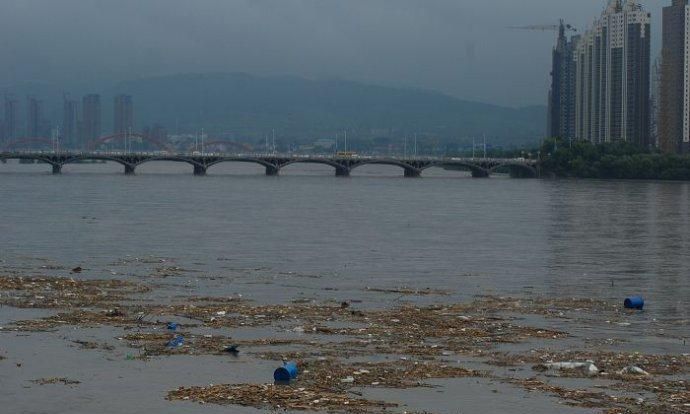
x=547, y=27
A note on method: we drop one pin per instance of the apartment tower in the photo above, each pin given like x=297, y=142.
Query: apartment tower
x=613, y=77
x=91, y=120
x=674, y=113
x=11, y=124
x=124, y=114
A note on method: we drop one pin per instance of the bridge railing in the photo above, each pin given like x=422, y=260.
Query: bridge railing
x=164, y=154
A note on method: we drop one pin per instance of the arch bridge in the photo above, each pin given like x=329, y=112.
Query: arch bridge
x=273, y=163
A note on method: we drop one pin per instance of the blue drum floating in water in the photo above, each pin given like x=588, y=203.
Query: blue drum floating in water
x=286, y=373
x=176, y=342
x=634, y=302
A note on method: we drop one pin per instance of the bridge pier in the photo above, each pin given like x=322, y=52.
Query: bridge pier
x=199, y=170
x=272, y=170
x=412, y=173
x=480, y=173
x=342, y=172
x=129, y=169
x=57, y=169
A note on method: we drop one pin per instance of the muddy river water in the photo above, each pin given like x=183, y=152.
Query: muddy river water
x=371, y=240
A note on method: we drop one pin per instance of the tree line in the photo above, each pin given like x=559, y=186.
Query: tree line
x=581, y=159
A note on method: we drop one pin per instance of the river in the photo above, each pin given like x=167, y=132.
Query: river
x=446, y=230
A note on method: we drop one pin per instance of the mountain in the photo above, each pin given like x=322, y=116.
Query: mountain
x=246, y=108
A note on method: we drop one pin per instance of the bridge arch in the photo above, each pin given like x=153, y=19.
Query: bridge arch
x=95, y=157
x=242, y=159
x=323, y=161
x=475, y=169
x=516, y=166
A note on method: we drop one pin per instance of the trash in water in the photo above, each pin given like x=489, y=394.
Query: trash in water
x=633, y=370
x=634, y=302
x=587, y=367
x=176, y=342
x=115, y=312
x=172, y=326
x=231, y=349
x=286, y=373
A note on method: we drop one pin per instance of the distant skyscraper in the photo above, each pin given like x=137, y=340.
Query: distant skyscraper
x=562, y=93
x=674, y=114
x=124, y=114
x=613, y=77
x=654, y=100
x=91, y=120
x=11, y=118
x=34, y=118
x=70, y=123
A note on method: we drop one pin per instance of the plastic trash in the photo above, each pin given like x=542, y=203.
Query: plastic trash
x=176, y=342
x=633, y=370
x=172, y=326
x=286, y=373
x=587, y=367
x=634, y=302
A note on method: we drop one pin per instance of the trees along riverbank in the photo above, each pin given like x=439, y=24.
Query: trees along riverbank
x=622, y=161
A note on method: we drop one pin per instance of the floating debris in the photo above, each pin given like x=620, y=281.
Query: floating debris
x=587, y=367
x=278, y=398
x=633, y=370
x=55, y=380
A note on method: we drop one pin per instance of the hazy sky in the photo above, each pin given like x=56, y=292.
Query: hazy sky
x=459, y=47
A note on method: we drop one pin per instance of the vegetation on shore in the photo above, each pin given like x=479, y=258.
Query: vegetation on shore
x=582, y=159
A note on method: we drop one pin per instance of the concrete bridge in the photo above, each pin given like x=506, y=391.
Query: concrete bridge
x=343, y=165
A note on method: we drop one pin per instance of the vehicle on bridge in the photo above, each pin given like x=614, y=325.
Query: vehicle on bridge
x=346, y=154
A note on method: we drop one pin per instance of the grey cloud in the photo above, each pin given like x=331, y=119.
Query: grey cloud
x=459, y=47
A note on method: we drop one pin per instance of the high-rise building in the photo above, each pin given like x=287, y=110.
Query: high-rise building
x=654, y=101
x=11, y=118
x=613, y=77
x=562, y=94
x=70, y=123
x=34, y=117
x=91, y=120
x=674, y=111
x=124, y=114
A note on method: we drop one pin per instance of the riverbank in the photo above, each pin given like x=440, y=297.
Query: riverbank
x=611, y=161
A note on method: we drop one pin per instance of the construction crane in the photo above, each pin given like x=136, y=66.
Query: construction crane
x=548, y=27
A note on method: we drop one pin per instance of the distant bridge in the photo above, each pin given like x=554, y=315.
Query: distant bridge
x=343, y=165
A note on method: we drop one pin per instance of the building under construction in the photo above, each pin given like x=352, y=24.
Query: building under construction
x=674, y=114
x=561, y=115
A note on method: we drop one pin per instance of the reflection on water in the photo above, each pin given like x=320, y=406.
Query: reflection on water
x=602, y=239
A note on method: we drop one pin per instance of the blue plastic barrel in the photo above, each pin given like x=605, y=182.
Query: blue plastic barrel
x=634, y=302
x=286, y=373
x=176, y=342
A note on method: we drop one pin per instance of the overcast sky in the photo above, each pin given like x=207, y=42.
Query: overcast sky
x=459, y=47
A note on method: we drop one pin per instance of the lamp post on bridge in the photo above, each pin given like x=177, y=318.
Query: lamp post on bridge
x=56, y=140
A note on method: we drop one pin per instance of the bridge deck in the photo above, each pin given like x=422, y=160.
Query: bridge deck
x=343, y=165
